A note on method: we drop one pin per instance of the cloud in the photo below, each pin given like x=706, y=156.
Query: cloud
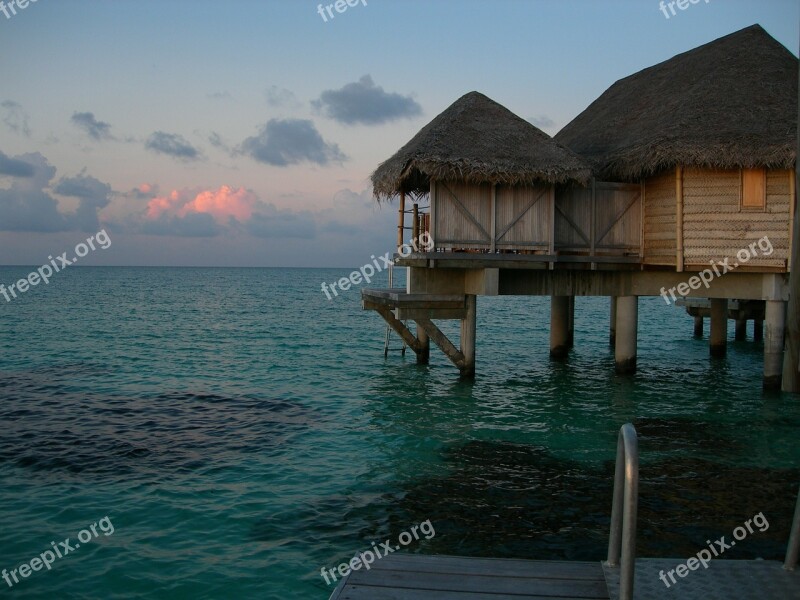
x=283, y=142
x=222, y=204
x=216, y=140
x=542, y=121
x=363, y=102
x=15, y=118
x=15, y=167
x=97, y=130
x=173, y=145
x=279, y=97
x=144, y=191
x=93, y=195
x=219, y=96
x=26, y=206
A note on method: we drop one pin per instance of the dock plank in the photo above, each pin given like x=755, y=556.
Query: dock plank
x=414, y=577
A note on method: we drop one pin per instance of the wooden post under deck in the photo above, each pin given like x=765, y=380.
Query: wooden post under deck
x=571, y=322
x=718, y=339
x=468, y=334
x=559, y=326
x=424, y=354
x=775, y=317
x=698, y=326
x=627, y=335
x=612, y=326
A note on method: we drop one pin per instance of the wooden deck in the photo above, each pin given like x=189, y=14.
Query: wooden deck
x=416, y=577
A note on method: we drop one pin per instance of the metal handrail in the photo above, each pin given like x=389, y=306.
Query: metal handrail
x=622, y=538
x=794, y=539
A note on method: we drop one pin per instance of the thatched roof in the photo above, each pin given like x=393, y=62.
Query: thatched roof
x=477, y=140
x=731, y=103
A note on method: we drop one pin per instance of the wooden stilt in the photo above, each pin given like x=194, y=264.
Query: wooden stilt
x=424, y=355
x=468, y=335
x=612, y=327
x=741, y=329
x=627, y=335
x=559, y=326
x=698, y=327
x=758, y=330
x=571, y=322
x=775, y=317
x=718, y=340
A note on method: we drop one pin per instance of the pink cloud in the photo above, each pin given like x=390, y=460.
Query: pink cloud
x=221, y=203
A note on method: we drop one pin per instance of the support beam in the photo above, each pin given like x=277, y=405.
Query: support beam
x=612, y=326
x=698, y=327
x=718, y=340
x=400, y=328
x=468, y=335
x=424, y=353
x=775, y=318
x=445, y=345
x=627, y=334
x=559, y=326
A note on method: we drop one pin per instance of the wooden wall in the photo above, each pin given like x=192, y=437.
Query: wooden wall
x=523, y=217
x=660, y=211
x=463, y=217
x=605, y=218
x=715, y=227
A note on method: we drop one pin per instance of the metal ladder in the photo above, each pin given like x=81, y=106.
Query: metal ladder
x=387, y=342
x=622, y=538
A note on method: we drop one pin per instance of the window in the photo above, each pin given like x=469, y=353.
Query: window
x=754, y=189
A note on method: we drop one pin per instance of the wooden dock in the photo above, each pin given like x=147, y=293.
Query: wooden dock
x=417, y=577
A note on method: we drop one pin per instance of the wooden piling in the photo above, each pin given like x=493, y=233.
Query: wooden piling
x=741, y=329
x=612, y=325
x=468, y=335
x=559, y=326
x=627, y=334
x=424, y=354
x=698, y=327
x=718, y=339
x=758, y=330
x=571, y=322
x=775, y=318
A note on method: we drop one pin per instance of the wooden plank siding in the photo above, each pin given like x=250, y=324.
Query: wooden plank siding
x=528, y=208
x=462, y=217
x=660, y=223
x=611, y=225
x=715, y=226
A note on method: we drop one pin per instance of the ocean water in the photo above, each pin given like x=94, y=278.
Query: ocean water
x=240, y=432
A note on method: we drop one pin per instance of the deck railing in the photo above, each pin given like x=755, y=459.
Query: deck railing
x=622, y=538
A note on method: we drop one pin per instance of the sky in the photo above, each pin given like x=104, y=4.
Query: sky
x=244, y=133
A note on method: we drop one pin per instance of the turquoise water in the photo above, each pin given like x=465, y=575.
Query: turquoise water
x=241, y=432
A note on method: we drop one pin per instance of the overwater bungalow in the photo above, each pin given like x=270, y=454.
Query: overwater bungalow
x=677, y=181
